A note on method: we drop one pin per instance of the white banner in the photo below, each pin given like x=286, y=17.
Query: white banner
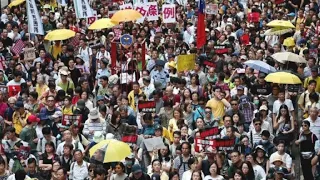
x=169, y=13
x=142, y=9
x=153, y=14
x=35, y=25
x=83, y=9
x=212, y=9
x=126, y=6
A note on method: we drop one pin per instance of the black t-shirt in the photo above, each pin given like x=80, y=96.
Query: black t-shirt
x=259, y=89
x=7, y=41
x=291, y=8
x=75, y=74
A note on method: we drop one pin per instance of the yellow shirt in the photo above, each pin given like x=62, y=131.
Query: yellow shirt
x=217, y=108
x=16, y=120
x=298, y=22
x=131, y=99
x=173, y=124
x=67, y=111
x=306, y=82
x=55, y=50
x=41, y=90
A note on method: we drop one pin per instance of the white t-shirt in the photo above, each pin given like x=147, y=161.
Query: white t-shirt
x=60, y=147
x=85, y=53
x=208, y=177
x=14, y=83
x=277, y=104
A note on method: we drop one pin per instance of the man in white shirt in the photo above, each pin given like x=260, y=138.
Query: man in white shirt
x=103, y=54
x=79, y=169
x=286, y=158
x=282, y=100
x=314, y=121
x=148, y=88
x=86, y=53
x=238, y=87
x=18, y=80
x=68, y=139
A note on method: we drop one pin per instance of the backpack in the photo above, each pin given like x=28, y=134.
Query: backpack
x=183, y=163
x=16, y=165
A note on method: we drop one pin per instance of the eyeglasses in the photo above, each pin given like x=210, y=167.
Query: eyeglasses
x=208, y=112
x=257, y=124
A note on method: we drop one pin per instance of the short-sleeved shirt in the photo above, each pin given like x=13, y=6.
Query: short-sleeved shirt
x=277, y=104
x=181, y=166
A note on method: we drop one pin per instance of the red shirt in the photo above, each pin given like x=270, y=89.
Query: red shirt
x=176, y=99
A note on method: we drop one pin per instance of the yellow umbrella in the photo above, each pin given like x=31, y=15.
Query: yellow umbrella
x=59, y=34
x=280, y=23
x=16, y=3
x=102, y=24
x=126, y=15
x=277, y=31
x=110, y=151
x=283, y=78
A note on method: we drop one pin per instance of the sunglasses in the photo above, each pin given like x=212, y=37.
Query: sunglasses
x=208, y=112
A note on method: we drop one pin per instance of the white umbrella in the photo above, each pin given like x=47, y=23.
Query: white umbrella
x=283, y=57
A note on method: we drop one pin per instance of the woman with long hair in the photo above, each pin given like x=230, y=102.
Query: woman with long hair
x=175, y=122
x=214, y=172
x=188, y=115
x=116, y=127
x=196, y=175
x=47, y=159
x=247, y=170
x=192, y=163
x=284, y=125
x=85, y=97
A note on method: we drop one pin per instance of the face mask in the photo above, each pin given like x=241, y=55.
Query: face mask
x=264, y=141
x=129, y=163
x=256, y=102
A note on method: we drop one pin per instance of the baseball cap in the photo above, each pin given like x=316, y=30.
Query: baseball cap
x=136, y=168
x=33, y=118
x=314, y=69
x=240, y=87
x=57, y=114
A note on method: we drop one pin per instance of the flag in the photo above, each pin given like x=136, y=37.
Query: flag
x=17, y=47
x=35, y=25
x=201, y=34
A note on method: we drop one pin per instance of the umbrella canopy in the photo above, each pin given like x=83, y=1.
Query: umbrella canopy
x=59, y=34
x=277, y=31
x=280, y=23
x=282, y=57
x=110, y=151
x=283, y=78
x=126, y=15
x=16, y=3
x=102, y=24
x=260, y=66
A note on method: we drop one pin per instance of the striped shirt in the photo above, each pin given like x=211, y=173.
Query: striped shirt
x=89, y=125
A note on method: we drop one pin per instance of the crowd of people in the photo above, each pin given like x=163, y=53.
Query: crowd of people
x=56, y=107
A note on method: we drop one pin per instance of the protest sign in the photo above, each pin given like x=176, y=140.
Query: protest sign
x=220, y=49
x=143, y=10
x=203, y=145
x=147, y=106
x=153, y=13
x=212, y=9
x=130, y=139
x=186, y=62
x=29, y=54
x=154, y=143
x=14, y=90
x=209, y=63
x=68, y=120
x=169, y=13
x=210, y=133
x=83, y=9
x=35, y=25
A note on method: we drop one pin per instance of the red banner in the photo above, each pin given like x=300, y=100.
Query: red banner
x=209, y=145
x=147, y=106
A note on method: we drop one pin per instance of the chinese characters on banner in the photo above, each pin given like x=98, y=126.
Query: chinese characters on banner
x=83, y=9
x=35, y=25
x=153, y=13
x=126, y=6
x=143, y=10
x=169, y=13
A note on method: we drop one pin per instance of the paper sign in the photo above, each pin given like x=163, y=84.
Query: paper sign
x=153, y=14
x=208, y=145
x=68, y=120
x=212, y=9
x=186, y=62
x=126, y=6
x=29, y=54
x=142, y=9
x=14, y=90
x=126, y=78
x=169, y=13
x=154, y=143
x=147, y=106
